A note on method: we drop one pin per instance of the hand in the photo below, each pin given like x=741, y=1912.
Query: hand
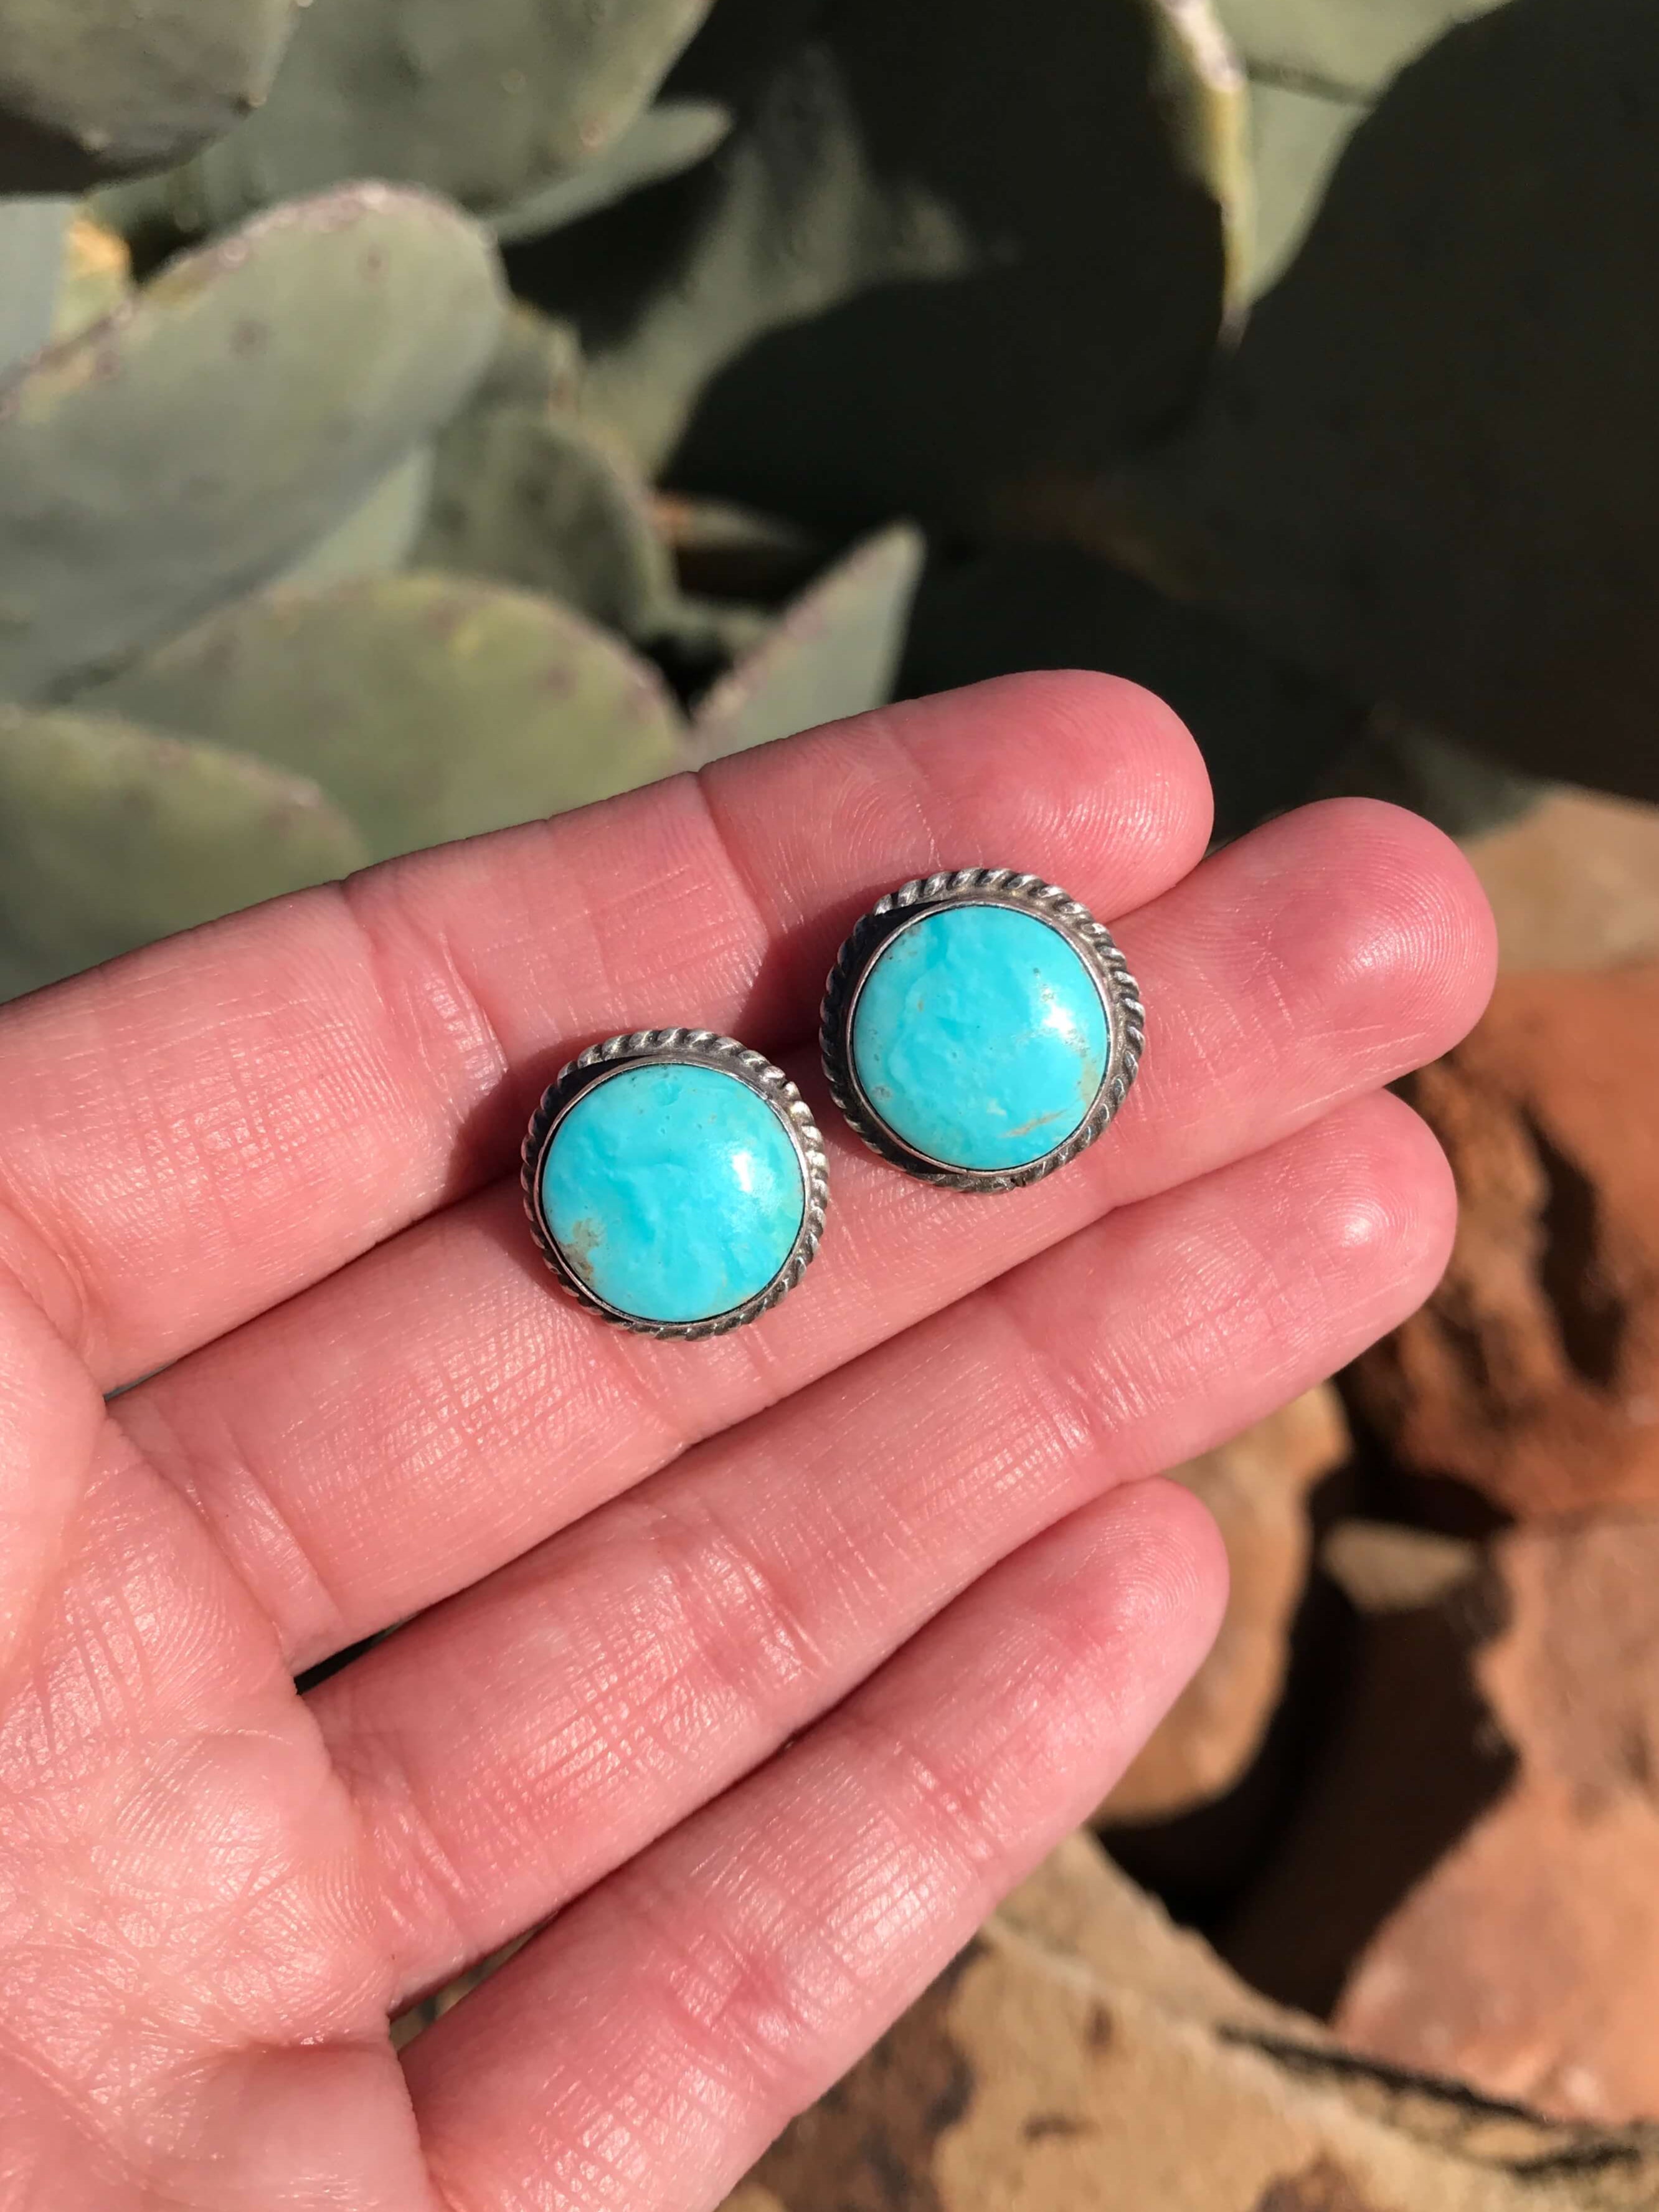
x=769, y=1663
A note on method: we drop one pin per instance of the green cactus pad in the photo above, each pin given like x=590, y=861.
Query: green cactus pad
x=113, y=836
x=377, y=537
x=797, y=222
x=537, y=362
x=487, y=103
x=1199, y=82
x=428, y=707
x=667, y=139
x=1350, y=48
x=91, y=89
x=529, y=497
x=1296, y=137
x=244, y=404
x=1316, y=67
x=32, y=237
x=835, y=652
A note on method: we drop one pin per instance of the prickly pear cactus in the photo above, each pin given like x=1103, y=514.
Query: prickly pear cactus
x=1352, y=46
x=309, y=497
x=835, y=652
x=248, y=400
x=797, y=222
x=487, y=102
x=426, y=707
x=111, y=836
x=59, y=272
x=664, y=142
x=33, y=235
x=537, y=362
x=530, y=496
x=378, y=537
x=91, y=89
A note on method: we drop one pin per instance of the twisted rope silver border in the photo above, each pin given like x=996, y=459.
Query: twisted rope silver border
x=1125, y=1015
x=647, y=1048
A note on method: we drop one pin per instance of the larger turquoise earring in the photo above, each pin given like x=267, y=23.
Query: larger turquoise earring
x=981, y=1029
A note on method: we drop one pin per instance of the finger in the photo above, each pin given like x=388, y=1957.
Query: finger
x=431, y=1413
x=646, y=2048
x=511, y=1748
x=200, y=1131
x=51, y=1421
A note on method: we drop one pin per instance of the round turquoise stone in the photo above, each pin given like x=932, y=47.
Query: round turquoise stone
x=673, y=1191
x=980, y=1037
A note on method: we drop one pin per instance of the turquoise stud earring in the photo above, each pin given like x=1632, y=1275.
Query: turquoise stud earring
x=675, y=1182
x=981, y=1029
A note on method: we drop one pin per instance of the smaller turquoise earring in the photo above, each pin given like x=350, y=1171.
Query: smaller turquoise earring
x=981, y=1029
x=675, y=1182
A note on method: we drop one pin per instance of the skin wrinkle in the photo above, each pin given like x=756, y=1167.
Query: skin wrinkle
x=148, y=1424
x=733, y=1607
x=24, y=1205
x=440, y=986
x=231, y=1127
x=1088, y=1421
x=446, y=1399
x=371, y=1081
x=142, y=1806
x=103, y=1677
x=384, y=1785
x=758, y=920
x=428, y=1893
x=40, y=1275
x=17, y=2058
x=734, y=2009
x=882, y=755
x=602, y=924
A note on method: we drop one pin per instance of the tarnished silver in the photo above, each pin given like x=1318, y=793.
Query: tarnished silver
x=660, y=1048
x=1090, y=940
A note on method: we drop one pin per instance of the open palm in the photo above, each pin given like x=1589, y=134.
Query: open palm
x=766, y=1664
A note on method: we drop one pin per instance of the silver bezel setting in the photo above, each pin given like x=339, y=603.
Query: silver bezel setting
x=1090, y=940
x=681, y=1048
